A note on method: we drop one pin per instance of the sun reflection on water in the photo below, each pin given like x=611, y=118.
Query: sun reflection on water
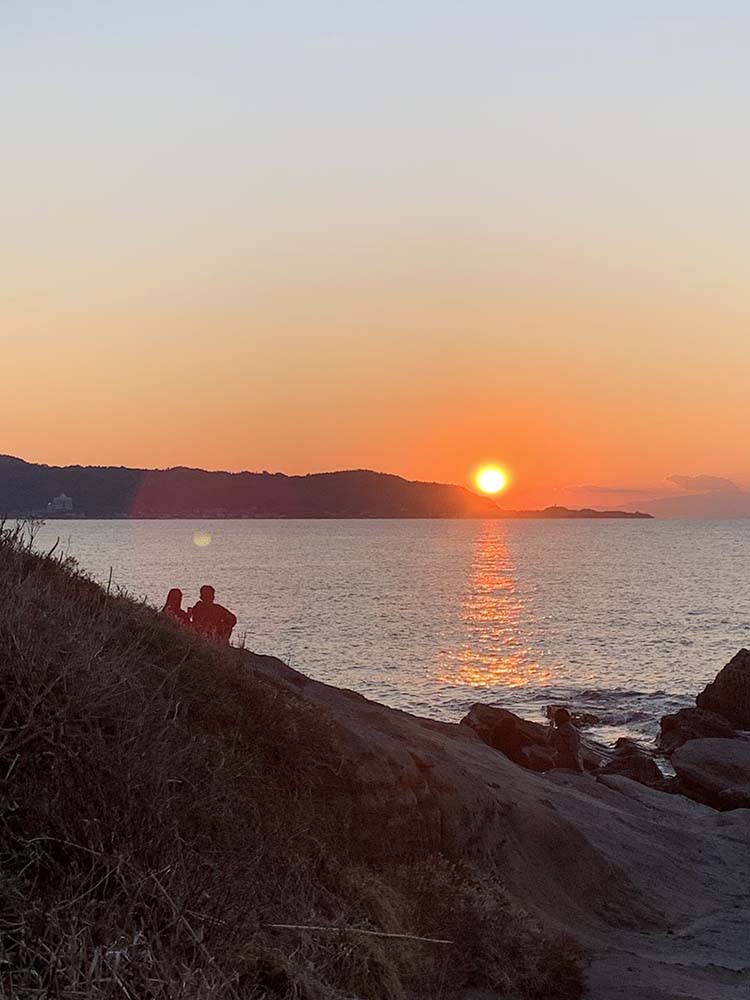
x=493, y=654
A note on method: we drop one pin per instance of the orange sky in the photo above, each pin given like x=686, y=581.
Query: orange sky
x=324, y=252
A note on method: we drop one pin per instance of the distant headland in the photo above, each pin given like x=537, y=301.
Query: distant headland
x=76, y=491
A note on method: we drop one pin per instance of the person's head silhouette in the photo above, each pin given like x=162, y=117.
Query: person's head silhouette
x=208, y=594
x=174, y=599
x=561, y=716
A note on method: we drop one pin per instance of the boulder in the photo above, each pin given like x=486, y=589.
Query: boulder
x=595, y=755
x=715, y=771
x=582, y=720
x=691, y=724
x=525, y=743
x=729, y=693
x=635, y=763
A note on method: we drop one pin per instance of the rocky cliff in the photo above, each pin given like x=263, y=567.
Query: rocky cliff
x=177, y=817
x=656, y=886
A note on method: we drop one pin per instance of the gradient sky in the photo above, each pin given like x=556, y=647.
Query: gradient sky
x=410, y=236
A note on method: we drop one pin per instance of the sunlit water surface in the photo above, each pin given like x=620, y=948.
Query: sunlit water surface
x=623, y=619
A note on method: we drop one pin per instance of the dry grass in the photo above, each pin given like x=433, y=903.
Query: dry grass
x=160, y=806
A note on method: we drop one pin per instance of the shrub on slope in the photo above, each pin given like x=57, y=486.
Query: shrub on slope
x=161, y=806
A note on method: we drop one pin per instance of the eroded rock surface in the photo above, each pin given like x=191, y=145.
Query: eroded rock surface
x=633, y=762
x=715, y=771
x=729, y=694
x=656, y=886
x=691, y=724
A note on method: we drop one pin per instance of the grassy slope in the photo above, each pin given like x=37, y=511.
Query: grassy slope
x=161, y=806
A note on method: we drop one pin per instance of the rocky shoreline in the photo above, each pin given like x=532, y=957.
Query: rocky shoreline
x=708, y=746
x=654, y=884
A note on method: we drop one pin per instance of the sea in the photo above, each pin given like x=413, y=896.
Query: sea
x=620, y=620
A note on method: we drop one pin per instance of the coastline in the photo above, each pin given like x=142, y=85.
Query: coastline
x=571, y=515
x=30, y=489
x=305, y=590
x=649, y=885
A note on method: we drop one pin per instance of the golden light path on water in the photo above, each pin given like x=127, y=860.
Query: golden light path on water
x=492, y=611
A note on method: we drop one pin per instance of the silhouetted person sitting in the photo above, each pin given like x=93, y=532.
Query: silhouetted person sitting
x=211, y=619
x=566, y=740
x=173, y=607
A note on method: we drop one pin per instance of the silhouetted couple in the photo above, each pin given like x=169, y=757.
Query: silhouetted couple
x=207, y=618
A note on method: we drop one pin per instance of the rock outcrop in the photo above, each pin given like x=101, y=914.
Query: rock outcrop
x=729, y=694
x=691, y=724
x=525, y=743
x=715, y=771
x=654, y=885
x=511, y=735
x=633, y=762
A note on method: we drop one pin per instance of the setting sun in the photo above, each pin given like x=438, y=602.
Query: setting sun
x=491, y=479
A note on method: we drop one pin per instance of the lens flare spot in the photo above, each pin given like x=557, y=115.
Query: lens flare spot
x=201, y=539
x=491, y=479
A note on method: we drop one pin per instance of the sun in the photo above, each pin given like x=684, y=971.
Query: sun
x=490, y=479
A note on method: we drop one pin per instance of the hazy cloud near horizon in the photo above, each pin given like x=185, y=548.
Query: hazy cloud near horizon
x=680, y=496
x=624, y=490
x=704, y=484
x=690, y=484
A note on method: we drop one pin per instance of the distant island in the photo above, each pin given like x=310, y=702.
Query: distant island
x=76, y=491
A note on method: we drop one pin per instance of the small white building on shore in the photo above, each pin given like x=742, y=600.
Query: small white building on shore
x=60, y=505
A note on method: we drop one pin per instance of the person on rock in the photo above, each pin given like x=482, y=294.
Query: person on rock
x=566, y=740
x=211, y=619
x=173, y=607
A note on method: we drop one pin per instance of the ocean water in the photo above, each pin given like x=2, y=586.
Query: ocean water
x=625, y=620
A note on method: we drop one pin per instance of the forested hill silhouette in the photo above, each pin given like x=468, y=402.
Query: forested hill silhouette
x=99, y=491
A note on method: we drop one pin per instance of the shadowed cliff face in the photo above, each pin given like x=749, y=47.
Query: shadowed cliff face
x=409, y=782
